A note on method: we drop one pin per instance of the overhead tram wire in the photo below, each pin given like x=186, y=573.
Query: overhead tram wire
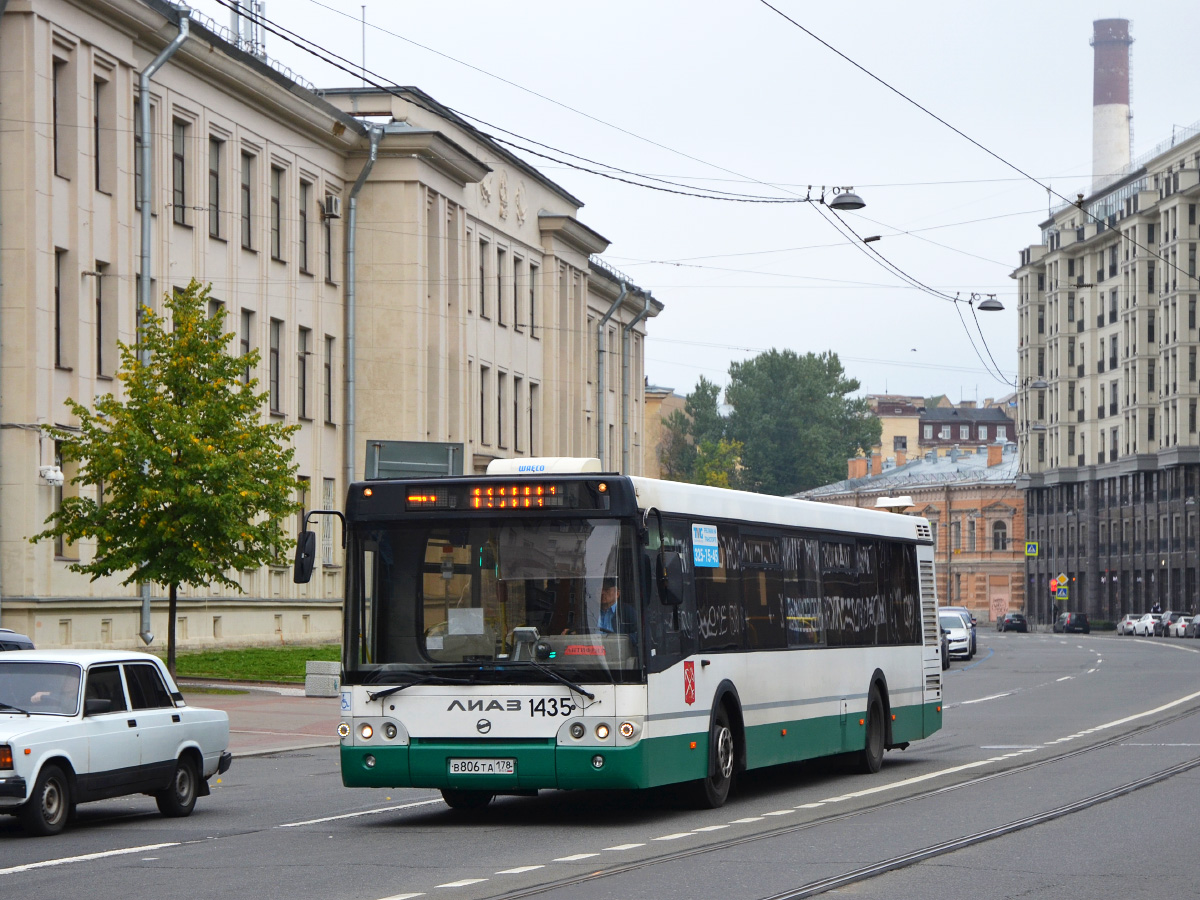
x=1046, y=187
x=345, y=65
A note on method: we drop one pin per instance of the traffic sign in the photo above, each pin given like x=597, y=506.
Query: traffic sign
x=1031, y=548
x=1062, y=579
x=1061, y=593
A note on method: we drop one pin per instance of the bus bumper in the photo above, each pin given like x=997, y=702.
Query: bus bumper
x=537, y=765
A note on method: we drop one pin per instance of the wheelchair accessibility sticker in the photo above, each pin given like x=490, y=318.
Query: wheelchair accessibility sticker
x=345, y=701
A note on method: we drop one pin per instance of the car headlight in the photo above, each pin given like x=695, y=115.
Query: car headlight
x=6, y=759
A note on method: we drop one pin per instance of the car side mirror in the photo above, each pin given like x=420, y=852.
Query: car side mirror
x=306, y=557
x=94, y=706
x=670, y=578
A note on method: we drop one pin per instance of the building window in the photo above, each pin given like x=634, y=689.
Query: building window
x=929, y=432
x=501, y=256
x=58, y=307
x=483, y=255
x=104, y=134
x=534, y=418
x=59, y=120
x=305, y=200
x=302, y=355
x=328, y=380
x=1002, y=432
x=964, y=432
x=982, y=432
x=327, y=226
x=216, y=149
x=102, y=362
x=1150, y=326
x=518, y=384
x=533, y=274
x=484, y=384
x=247, y=201
x=273, y=376
x=179, y=138
x=999, y=536
x=971, y=535
x=501, y=399
x=328, y=499
x=244, y=342
x=276, y=213
x=944, y=433
x=900, y=442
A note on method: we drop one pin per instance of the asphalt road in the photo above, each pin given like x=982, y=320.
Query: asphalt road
x=1066, y=768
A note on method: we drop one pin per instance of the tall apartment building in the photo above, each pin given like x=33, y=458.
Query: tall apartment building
x=481, y=320
x=1108, y=391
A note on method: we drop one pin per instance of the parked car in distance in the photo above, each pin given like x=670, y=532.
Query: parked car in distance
x=958, y=633
x=968, y=618
x=1179, y=626
x=11, y=640
x=945, y=649
x=80, y=725
x=1072, y=623
x=1163, y=625
x=1012, y=621
x=1144, y=627
x=1192, y=627
x=1125, y=626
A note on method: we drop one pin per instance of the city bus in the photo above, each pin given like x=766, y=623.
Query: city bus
x=549, y=625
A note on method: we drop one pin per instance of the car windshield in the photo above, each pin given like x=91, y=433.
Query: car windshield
x=44, y=688
x=952, y=621
x=482, y=599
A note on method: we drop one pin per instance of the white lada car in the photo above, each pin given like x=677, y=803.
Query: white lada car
x=79, y=725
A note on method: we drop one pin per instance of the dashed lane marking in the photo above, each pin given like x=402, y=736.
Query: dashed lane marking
x=365, y=812
x=1066, y=678
x=747, y=820
x=632, y=846
x=674, y=837
x=780, y=812
x=711, y=827
x=575, y=857
x=984, y=699
x=462, y=882
x=103, y=854
x=519, y=869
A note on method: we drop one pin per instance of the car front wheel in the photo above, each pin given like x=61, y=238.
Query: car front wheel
x=49, y=804
x=179, y=799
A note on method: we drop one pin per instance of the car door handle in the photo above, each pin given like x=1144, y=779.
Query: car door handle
x=175, y=718
x=132, y=723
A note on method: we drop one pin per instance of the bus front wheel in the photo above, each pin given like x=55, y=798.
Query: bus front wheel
x=712, y=791
x=466, y=800
x=870, y=758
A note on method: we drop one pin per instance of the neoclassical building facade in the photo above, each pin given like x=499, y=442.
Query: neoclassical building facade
x=415, y=290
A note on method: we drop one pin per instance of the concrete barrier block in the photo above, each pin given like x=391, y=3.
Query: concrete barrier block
x=321, y=667
x=322, y=685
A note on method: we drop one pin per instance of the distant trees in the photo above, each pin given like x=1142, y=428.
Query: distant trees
x=793, y=424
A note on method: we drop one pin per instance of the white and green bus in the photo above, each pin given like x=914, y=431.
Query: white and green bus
x=548, y=625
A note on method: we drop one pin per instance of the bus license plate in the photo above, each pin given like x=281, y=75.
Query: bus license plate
x=483, y=767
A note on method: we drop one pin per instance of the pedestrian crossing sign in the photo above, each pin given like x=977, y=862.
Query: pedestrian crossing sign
x=1031, y=548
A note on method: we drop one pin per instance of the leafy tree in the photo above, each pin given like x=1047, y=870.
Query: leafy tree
x=796, y=420
x=687, y=431
x=193, y=483
x=717, y=465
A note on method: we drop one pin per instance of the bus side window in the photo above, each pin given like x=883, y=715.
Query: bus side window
x=763, y=592
x=670, y=630
x=721, y=614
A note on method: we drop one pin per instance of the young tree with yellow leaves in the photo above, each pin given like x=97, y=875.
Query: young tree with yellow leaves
x=195, y=484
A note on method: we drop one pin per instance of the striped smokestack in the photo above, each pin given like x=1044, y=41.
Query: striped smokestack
x=1110, y=100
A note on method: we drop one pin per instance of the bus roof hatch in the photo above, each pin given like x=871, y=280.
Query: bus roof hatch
x=544, y=465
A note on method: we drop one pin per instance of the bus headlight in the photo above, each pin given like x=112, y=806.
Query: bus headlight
x=602, y=731
x=366, y=731
x=344, y=730
x=577, y=730
x=389, y=730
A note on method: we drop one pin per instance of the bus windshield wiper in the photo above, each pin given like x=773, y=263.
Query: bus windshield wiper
x=424, y=679
x=4, y=705
x=561, y=679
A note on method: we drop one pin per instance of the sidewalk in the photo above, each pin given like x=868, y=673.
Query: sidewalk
x=270, y=719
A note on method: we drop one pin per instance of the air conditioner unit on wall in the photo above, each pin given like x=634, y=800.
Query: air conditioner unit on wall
x=333, y=206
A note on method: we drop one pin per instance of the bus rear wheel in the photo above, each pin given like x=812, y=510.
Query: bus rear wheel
x=712, y=791
x=870, y=758
x=466, y=800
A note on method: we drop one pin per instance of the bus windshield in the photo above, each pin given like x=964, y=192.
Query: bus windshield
x=492, y=600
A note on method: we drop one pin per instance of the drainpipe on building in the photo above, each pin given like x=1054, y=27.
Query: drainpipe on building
x=144, y=292
x=950, y=552
x=600, y=442
x=626, y=341
x=351, y=219
x=3, y=6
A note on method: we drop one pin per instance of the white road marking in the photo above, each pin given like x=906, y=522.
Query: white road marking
x=674, y=837
x=103, y=854
x=365, y=812
x=633, y=846
x=780, y=812
x=575, y=857
x=1159, y=745
x=405, y=896
x=746, y=820
x=984, y=699
x=462, y=883
x=1090, y=671
x=809, y=805
x=1066, y=678
x=711, y=827
x=518, y=870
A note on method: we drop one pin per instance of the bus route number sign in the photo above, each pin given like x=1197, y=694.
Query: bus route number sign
x=706, y=553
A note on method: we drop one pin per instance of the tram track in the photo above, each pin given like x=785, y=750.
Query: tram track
x=881, y=867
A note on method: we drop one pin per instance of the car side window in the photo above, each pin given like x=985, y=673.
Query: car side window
x=104, y=683
x=146, y=688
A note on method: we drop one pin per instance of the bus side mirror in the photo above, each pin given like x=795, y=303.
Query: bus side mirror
x=670, y=578
x=306, y=557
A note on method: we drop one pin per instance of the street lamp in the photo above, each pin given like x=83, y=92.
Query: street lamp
x=842, y=199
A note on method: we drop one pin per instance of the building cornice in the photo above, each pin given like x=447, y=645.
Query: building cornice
x=437, y=151
x=572, y=232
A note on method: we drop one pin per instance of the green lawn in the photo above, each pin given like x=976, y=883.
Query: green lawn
x=273, y=664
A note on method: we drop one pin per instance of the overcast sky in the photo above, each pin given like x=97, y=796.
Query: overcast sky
x=730, y=96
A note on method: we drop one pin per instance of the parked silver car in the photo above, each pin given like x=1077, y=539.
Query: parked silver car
x=79, y=725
